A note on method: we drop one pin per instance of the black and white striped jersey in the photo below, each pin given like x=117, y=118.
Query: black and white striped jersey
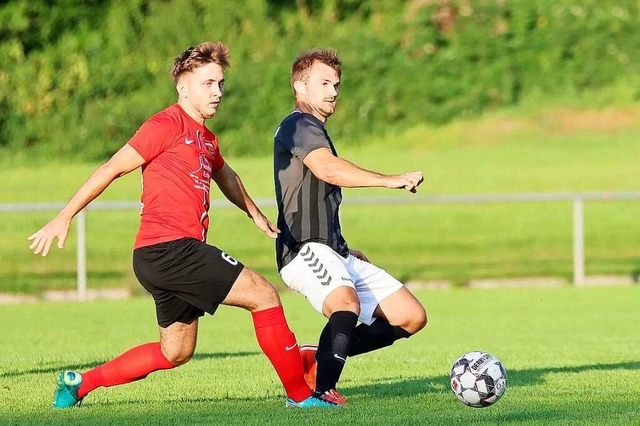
x=308, y=208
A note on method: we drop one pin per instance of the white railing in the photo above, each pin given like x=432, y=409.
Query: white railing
x=577, y=199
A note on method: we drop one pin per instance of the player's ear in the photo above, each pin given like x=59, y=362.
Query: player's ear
x=299, y=87
x=182, y=90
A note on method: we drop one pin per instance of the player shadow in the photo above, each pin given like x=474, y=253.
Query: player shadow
x=89, y=365
x=389, y=386
x=536, y=376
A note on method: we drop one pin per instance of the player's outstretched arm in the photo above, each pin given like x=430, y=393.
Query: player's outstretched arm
x=231, y=186
x=121, y=163
x=337, y=171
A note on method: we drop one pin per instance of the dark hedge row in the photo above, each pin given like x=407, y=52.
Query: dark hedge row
x=78, y=77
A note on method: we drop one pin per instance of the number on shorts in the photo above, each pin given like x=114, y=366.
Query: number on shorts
x=229, y=258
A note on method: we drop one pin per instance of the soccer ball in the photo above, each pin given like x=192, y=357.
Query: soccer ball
x=478, y=379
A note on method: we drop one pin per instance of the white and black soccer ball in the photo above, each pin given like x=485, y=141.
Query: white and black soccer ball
x=478, y=379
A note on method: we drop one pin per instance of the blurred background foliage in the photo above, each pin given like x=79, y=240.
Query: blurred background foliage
x=77, y=78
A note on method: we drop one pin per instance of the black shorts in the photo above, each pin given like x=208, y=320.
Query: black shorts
x=186, y=278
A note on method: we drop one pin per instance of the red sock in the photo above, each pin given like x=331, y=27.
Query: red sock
x=135, y=364
x=275, y=337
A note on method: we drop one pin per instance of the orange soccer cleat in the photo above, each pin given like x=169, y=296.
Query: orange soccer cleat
x=308, y=354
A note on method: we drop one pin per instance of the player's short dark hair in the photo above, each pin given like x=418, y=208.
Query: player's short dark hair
x=303, y=63
x=202, y=54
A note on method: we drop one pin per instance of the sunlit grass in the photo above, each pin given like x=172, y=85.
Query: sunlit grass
x=571, y=356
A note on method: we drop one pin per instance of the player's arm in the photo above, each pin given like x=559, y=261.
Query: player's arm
x=337, y=171
x=121, y=163
x=231, y=186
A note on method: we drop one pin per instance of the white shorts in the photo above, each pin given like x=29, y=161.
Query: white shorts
x=317, y=270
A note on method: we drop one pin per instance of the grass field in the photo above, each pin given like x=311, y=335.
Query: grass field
x=506, y=152
x=571, y=355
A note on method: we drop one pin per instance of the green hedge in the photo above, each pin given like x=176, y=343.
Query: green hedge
x=78, y=77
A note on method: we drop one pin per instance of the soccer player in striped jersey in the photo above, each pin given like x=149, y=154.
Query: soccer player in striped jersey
x=312, y=255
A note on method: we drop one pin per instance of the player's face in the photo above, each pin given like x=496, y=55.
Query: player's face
x=202, y=89
x=320, y=92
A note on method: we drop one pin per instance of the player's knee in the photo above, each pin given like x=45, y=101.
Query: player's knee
x=341, y=299
x=179, y=356
x=418, y=321
x=414, y=321
x=177, y=351
x=342, y=305
x=268, y=293
x=265, y=295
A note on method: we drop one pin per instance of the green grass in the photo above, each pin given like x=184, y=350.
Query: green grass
x=571, y=355
x=510, y=151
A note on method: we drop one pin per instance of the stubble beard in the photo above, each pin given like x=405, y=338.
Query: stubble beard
x=208, y=113
x=328, y=110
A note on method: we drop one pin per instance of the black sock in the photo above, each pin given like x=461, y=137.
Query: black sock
x=380, y=334
x=333, y=348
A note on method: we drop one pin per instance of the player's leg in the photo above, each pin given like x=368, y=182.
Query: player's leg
x=177, y=320
x=176, y=346
x=253, y=293
x=178, y=341
x=203, y=277
x=320, y=275
x=398, y=316
x=403, y=310
x=389, y=310
x=178, y=325
x=341, y=308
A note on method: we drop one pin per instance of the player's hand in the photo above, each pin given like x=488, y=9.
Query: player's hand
x=359, y=255
x=265, y=225
x=409, y=181
x=41, y=241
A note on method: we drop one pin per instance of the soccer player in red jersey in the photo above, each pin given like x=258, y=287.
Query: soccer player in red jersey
x=179, y=157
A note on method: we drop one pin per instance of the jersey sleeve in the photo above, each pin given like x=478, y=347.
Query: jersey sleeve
x=302, y=136
x=154, y=136
x=218, y=161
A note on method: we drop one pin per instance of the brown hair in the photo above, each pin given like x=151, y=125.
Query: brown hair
x=202, y=54
x=304, y=62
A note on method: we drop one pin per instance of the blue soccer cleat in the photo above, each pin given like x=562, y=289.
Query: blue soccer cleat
x=66, y=394
x=311, y=402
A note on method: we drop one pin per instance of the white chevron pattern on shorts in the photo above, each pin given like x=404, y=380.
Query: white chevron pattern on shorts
x=316, y=266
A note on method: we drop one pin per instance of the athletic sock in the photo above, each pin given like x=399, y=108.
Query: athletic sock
x=135, y=364
x=379, y=334
x=279, y=345
x=333, y=348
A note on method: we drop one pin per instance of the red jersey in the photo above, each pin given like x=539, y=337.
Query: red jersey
x=180, y=156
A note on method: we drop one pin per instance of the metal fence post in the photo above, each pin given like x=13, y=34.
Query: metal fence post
x=578, y=242
x=81, y=255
